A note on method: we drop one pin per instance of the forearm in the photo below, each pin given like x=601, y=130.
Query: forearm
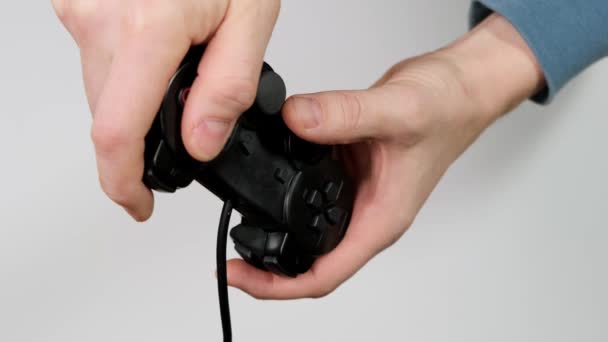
x=496, y=67
x=566, y=36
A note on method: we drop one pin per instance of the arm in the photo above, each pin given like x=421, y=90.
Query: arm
x=566, y=36
x=403, y=134
x=408, y=128
x=131, y=48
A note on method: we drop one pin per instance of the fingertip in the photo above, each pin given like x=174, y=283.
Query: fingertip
x=253, y=281
x=139, y=217
x=143, y=211
x=240, y=273
x=228, y=78
x=304, y=115
x=205, y=137
x=335, y=117
x=233, y=272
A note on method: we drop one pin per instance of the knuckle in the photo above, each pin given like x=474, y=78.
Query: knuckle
x=322, y=291
x=117, y=190
x=266, y=8
x=257, y=296
x=394, y=236
x=350, y=109
x=394, y=233
x=145, y=17
x=76, y=15
x=60, y=7
x=408, y=221
x=234, y=93
x=414, y=117
x=108, y=139
x=274, y=7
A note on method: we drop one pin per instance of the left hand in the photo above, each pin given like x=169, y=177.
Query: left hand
x=400, y=136
x=130, y=49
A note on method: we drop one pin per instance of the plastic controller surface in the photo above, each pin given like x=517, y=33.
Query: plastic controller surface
x=294, y=198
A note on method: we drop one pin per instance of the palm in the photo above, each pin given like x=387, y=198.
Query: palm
x=385, y=184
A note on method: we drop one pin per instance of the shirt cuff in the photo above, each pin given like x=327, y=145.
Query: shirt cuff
x=564, y=35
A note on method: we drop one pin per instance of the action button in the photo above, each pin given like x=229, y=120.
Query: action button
x=332, y=191
x=334, y=215
x=314, y=200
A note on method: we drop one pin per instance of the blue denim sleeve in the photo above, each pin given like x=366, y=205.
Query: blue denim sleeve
x=567, y=36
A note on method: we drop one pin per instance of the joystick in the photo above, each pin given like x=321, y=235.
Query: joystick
x=295, y=199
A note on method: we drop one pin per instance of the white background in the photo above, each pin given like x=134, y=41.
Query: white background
x=510, y=247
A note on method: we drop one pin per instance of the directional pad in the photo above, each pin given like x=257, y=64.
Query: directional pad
x=316, y=222
x=314, y=199
x=332, y=191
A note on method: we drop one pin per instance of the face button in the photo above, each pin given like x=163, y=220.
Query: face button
x=334, y=215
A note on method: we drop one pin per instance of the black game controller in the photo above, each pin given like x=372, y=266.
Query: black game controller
x=294, y=198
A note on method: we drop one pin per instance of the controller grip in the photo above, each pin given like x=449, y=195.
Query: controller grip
x=294, y=198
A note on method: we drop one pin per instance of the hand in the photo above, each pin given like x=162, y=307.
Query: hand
x=131, y=48
x=400, y=136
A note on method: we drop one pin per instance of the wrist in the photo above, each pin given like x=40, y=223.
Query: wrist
x=496, y=67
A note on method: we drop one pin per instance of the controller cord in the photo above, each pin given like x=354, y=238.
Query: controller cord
x=222, y=279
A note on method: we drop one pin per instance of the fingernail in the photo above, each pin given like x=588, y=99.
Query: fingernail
x=210, y=135
x=307, y=112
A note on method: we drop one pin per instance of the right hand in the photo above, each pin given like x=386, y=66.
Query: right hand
x=130, y=49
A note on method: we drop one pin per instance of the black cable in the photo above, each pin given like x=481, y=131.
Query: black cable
x=222, y=282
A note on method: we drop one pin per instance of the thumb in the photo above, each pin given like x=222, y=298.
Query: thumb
x=342, y=117
x=228, y=76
